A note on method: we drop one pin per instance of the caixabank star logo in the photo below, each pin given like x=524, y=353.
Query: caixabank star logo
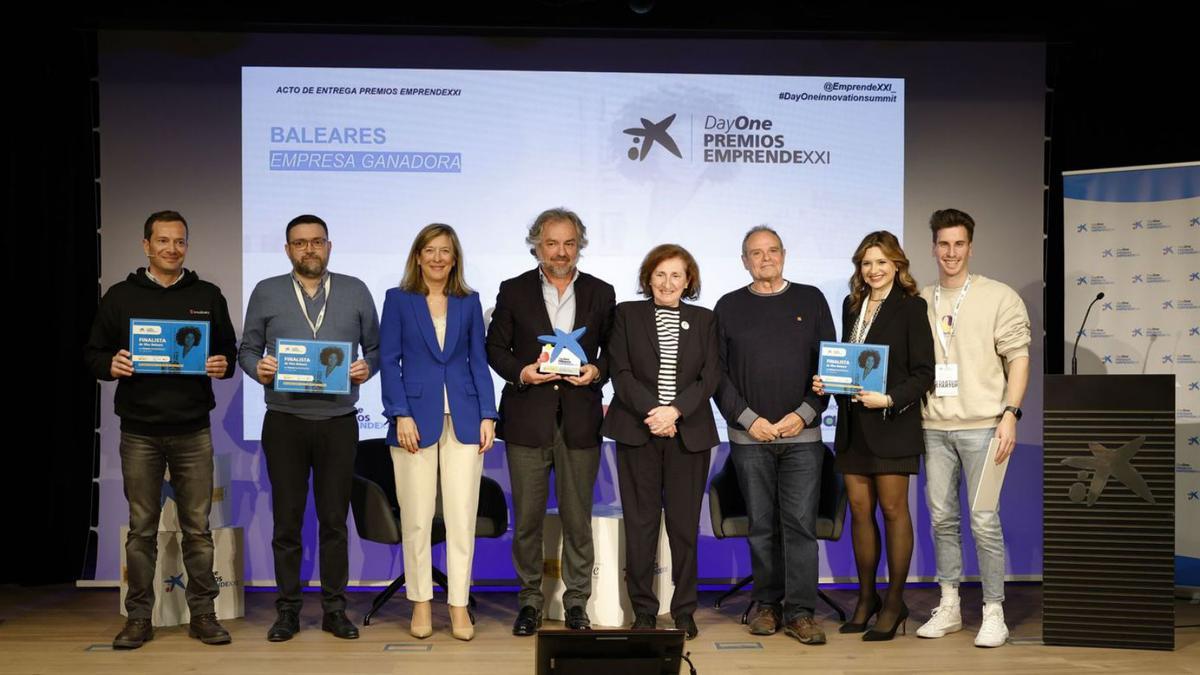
x=172, y=582
x=1107, y=463
x=650, y=134
x=723, y=139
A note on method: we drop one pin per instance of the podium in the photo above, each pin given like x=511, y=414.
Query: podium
x=170, y=601
x=609, y=604
x=1109, y=511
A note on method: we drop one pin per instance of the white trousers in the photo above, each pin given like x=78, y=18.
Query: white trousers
x=417, y=478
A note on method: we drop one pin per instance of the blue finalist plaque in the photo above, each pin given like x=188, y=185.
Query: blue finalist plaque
x=166, y=347
x=313, y=366
x=848, y=368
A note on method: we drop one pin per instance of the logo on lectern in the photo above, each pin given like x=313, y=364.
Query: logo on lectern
x=1103, y=464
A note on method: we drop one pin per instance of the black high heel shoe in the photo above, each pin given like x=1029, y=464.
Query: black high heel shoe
x=848, y=627
x=881, y=635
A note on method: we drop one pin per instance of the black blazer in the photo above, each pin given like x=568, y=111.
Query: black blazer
x=903, y=326
x=528, y=412
x=633, y=360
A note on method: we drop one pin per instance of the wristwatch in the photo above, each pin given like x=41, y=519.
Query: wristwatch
x=1014, y=410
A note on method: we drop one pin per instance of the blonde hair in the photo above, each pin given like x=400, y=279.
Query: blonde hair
x=413, y=282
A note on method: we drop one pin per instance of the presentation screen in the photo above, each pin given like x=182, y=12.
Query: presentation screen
x=643, y=158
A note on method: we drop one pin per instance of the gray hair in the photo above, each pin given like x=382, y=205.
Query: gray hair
x=534, y=238
x=760, y=228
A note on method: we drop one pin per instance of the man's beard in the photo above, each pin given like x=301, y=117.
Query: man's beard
x=310, y=267
x=558, y=271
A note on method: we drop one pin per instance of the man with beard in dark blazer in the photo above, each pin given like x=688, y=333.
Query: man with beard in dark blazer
x=551, y=421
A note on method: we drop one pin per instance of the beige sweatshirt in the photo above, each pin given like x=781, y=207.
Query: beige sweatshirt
x=993, y=330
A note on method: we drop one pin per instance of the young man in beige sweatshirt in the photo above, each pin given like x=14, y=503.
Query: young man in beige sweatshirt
x=981, y=331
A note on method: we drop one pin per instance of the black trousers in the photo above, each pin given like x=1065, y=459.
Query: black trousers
x=295, y=446
x=661, y=476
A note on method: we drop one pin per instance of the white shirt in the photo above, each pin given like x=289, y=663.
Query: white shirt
x=560, y=309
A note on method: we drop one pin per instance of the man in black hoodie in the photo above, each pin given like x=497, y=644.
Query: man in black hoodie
x=164, y=423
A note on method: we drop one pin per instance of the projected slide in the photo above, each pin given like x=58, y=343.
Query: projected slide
x=644, y=158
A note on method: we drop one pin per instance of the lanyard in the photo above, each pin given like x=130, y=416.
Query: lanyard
x=863, y=325
x=941, y=334
x=304, y=308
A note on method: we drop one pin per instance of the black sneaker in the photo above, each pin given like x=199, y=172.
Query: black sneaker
x=577, y=619
x=528, y=621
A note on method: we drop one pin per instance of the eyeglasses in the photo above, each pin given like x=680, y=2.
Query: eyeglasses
x=303, y=244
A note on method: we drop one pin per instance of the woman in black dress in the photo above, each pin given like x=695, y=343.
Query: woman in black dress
x=879, y=441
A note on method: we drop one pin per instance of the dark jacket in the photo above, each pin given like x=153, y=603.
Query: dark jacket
x=160, y=405
x=528, y=412
x=903, y=326
x=633, y=354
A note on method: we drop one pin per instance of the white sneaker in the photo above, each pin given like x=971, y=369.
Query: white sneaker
x=946, y=619
x=993, y=632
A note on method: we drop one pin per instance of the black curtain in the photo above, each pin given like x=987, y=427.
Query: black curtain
x=1118, y=98
x=50, y=244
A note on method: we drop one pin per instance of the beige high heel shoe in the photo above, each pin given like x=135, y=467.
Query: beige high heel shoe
x=461, y=625
x=421, y=625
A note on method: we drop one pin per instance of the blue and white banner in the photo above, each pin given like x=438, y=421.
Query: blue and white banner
x=1134, y=234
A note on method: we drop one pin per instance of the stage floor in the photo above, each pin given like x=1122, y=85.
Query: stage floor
x=62, y=629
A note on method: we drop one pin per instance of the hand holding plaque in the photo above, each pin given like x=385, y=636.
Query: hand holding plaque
x=561, y=353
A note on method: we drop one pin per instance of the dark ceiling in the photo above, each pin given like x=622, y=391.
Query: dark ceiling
x=1054, y=22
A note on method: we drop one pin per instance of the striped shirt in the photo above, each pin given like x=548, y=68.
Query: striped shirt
x=667, y=321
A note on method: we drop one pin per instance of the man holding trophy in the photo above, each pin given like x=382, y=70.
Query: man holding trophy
x=545, y=340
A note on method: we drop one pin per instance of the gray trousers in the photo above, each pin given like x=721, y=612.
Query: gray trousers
x=574, y=480
x=143, y=460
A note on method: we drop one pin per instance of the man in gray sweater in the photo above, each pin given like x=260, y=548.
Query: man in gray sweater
x=302, y=431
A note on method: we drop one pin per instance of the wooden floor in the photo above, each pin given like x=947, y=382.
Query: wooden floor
x=62, y=629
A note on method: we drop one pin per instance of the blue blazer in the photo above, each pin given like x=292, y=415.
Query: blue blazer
x=414, y=369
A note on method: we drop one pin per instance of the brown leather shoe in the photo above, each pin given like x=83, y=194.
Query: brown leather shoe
x=806, y=630
x=765, y=621
x=205, y=628
x=135, y=633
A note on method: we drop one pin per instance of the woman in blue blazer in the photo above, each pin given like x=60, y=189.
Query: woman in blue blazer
x=441, y=410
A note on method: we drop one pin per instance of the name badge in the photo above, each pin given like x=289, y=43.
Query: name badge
x=945, y=379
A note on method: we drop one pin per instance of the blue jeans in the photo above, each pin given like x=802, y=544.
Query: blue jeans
x=948, y=455
x=781, y=484
x=190, y=458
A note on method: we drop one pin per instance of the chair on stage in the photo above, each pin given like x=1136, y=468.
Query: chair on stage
x=727, y=509
x=377, y=512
